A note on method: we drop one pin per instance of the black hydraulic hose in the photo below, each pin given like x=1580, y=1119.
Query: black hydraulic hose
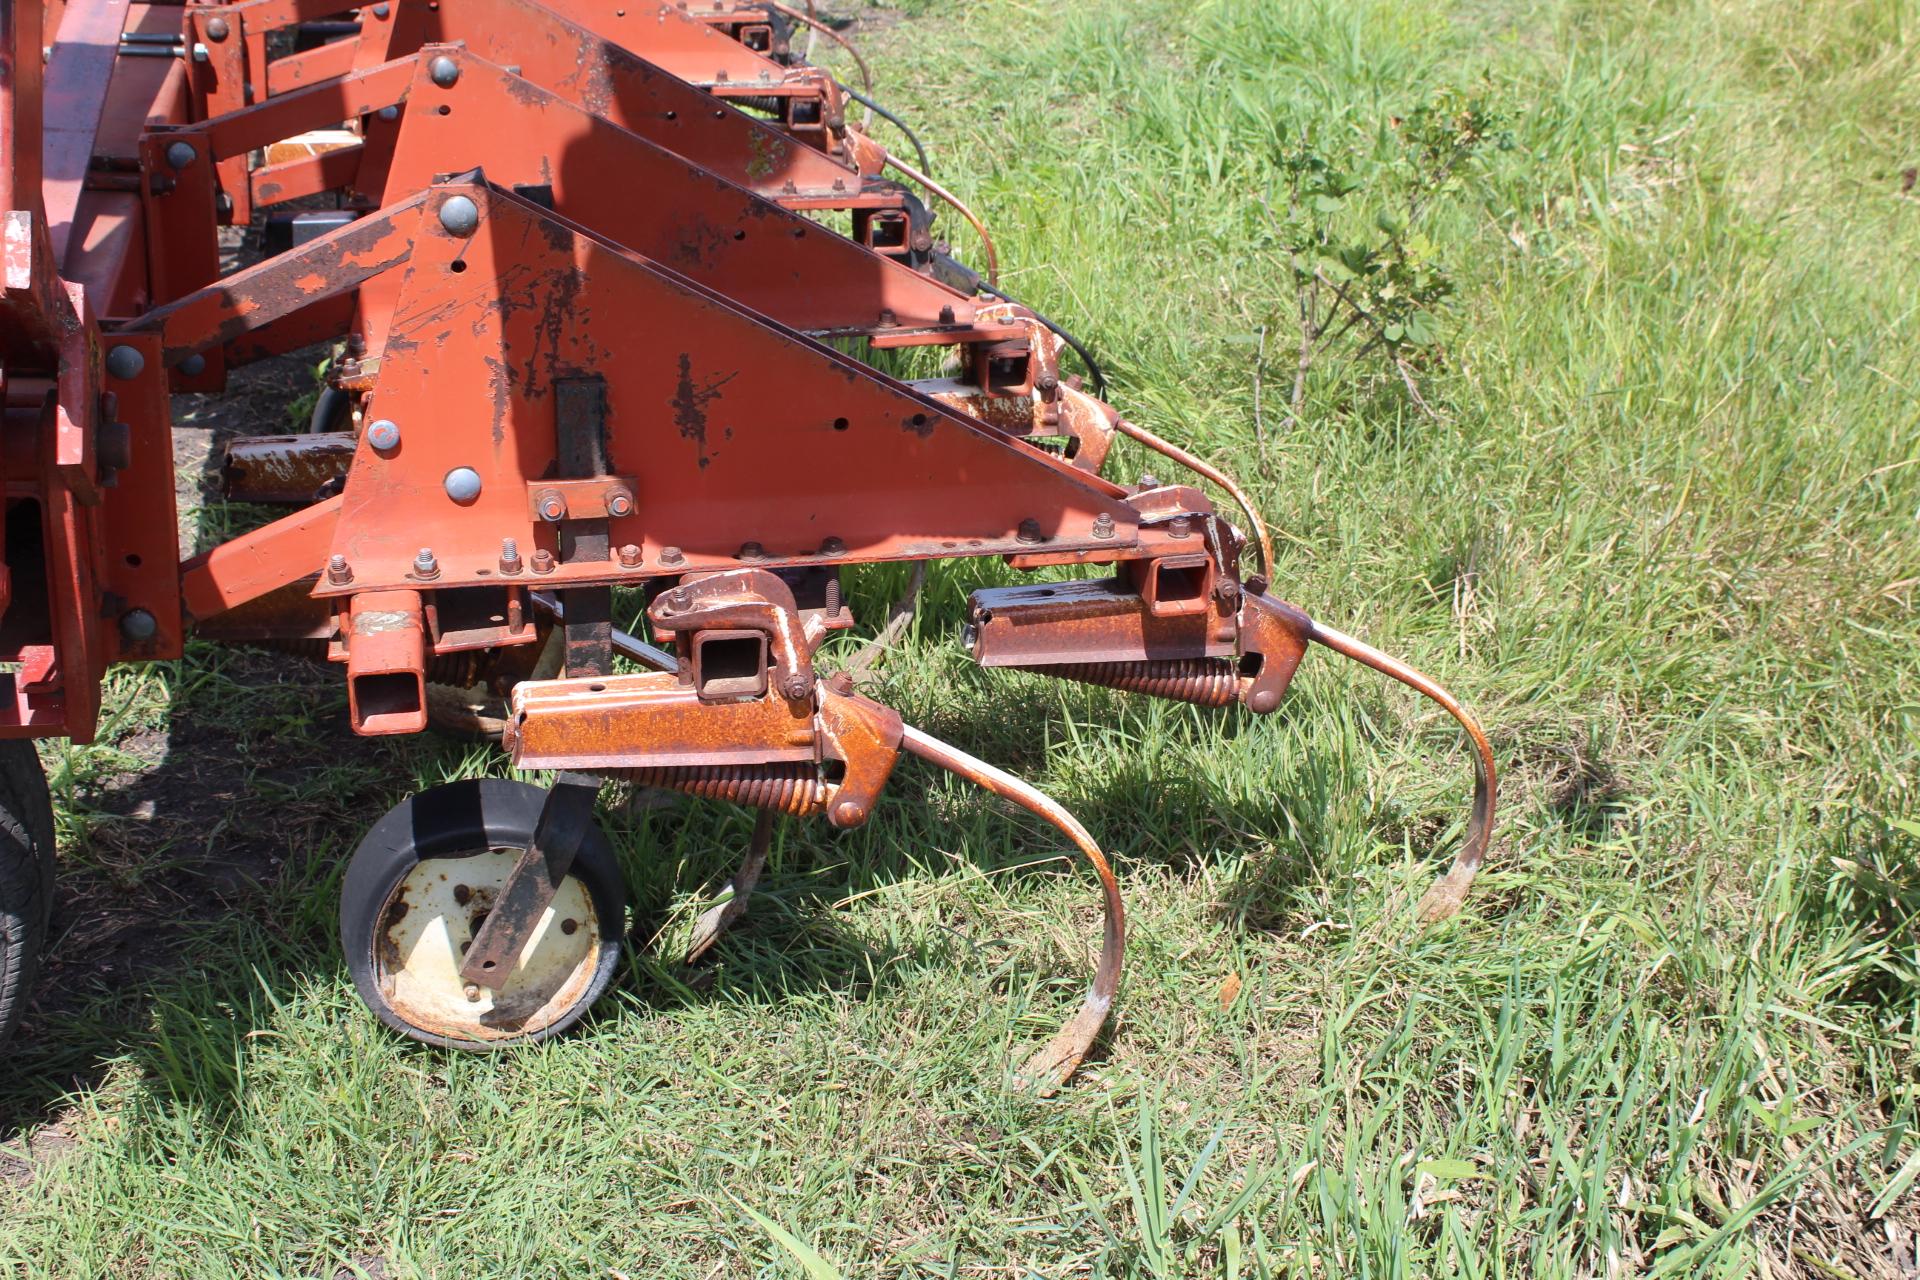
x=919, y=151
x=1093, y=366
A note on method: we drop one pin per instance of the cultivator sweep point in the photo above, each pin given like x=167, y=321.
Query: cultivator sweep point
x=579, y=266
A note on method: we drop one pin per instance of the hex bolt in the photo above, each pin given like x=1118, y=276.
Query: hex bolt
x=946, y=315
x=459, y=216
x=125, y=362
x=384, y=435
x=180, y=154
x=193, y=366
x=472, y=992
x=217, y=28
x=1180, y=526
x=1103, y=525
x=797, y=686
x=424, y=565
x=833, y=547
x=339, y=572
x=552, y=506
x=671, y=556
x=543, y=561
x=629, y=556
x=751, y=551
x=137, y=626
x=509, y=556
x=444, y=71
x=1029, y=530
x=1226, y=590
x=1148, y=480
x=200, y=53
x=1047, y=383
x=680, y=598
x=619, y=501
x=462, y=484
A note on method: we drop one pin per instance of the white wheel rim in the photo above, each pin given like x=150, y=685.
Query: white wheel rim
x=429, y=920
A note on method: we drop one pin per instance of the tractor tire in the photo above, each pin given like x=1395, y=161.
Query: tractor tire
x=26, y=875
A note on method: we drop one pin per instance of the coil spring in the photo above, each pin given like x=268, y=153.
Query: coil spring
x=1207, y=682
x=794, y=789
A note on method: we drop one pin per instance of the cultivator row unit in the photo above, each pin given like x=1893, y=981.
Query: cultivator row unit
x=585, y=273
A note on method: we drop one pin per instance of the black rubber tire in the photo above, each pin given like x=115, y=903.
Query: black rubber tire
x=26, y=875
x=460, y=819
x=331, y=409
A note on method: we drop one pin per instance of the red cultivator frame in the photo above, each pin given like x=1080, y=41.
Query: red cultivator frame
x=578, y=263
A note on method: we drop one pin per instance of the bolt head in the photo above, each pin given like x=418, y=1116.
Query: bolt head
x=1180, y=526
x=629, y=556
x=751, y=551
x=217, y=29
x=462, y=484
x=384, y=434
x=444, y=71
x=459, y=215
x=1029, y=530
x=680, y=597
x=137, y=626
x=200, y=53
x=797, y=686
x=1263, y=702
x=671, y=555
x=193, y=366
x=553, y=507
x=125, y=362
x=180, y=154
x=833, y=547
x=619, y=502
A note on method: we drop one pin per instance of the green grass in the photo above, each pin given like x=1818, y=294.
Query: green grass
x=1664, y=537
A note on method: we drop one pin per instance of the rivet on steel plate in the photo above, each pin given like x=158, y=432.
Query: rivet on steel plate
x=388, y=113
x=217, y=28
x=384, y=434
x=381, y=11
x=751, y=551
x=444, y=71
x=137, y=626
x=509, y=556
x=125, y=362
x=339, y=572
x=194, y=365
x=459, y=215
x=180, y=154
x=833, y=547
x=1029, y=530
x=462, y=484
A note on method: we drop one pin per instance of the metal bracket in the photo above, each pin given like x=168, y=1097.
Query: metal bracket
x=528, y=892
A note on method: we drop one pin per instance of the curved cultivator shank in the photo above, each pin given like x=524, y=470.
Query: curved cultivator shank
x=578, y=268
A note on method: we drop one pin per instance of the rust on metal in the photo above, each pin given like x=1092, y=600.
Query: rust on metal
x=547, y=389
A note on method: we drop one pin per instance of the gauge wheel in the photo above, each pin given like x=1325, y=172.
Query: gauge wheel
x=26, y=874
x=420, y=886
